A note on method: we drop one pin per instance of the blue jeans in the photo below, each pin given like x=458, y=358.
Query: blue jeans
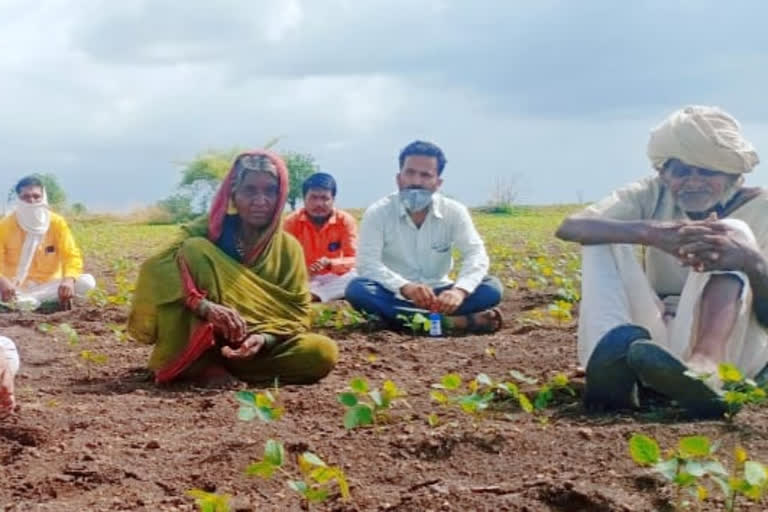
x=369, y=296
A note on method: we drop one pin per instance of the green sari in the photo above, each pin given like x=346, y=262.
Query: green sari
x=271, y=294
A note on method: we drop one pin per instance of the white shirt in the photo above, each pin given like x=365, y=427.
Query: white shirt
x=394, y=252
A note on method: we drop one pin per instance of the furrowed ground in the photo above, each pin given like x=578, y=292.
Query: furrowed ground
x=93, y=433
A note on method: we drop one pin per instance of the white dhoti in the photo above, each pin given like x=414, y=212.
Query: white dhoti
x=45, y=292
x=616, y=291
x=8, y=350
x=328, y=287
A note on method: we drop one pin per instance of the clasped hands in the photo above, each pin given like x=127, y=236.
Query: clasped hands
x=232, y=328
x=446, y=302
x=706, y=245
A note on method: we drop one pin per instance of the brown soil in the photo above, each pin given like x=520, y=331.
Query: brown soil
x=106, y=438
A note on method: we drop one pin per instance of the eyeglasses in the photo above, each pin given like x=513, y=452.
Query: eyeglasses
x=679, y=169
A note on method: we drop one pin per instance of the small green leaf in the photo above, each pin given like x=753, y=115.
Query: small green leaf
x=525, y=403
x=522, y=378
x=246, y=397
x=754, y=473
x=316, y=495
x=694, y=446
x=313, y=459
x=377, y=398
x=438, y=396
x=358, y=416
x=274, y=452
x=714, y=468
x=263, y=469
x=729, y=373
x=668, y=468
x=451, y=381
x=348, y=399
x=298, y=486
x=644, y=450
x=390, y=391
x=543, y=398
x=359, y=385
x=694, y=468
x=245, y=413
x=322, y=474
x=684, y=479
x=483, y=380
x=268, y=414
x=559, y=381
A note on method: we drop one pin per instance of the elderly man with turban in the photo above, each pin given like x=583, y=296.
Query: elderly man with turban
x=700, y=296
x=327, y=235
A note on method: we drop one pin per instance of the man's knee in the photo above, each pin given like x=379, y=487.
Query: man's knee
x=360, y=291
x=323, y=354
x=491, y=286
x=84, y=283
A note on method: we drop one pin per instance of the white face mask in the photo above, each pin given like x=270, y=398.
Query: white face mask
x=416, y=199
x=33, y=217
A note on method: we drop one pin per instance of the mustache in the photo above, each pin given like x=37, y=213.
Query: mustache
x=415, y=187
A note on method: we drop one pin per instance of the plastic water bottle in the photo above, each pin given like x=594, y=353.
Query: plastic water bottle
x=435, y=329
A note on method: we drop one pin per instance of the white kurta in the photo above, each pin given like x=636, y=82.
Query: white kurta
x=617, y=289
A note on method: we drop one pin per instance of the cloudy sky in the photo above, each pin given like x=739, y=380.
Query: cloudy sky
x=554, y=98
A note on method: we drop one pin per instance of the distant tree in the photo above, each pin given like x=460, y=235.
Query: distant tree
x=300, y=167
x=201, y=176
x=78, y=209
x=179, y=207
x=57, y=198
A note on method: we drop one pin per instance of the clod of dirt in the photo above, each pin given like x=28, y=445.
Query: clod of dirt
x=567, y=498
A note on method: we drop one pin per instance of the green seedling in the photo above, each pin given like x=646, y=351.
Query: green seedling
x=73, y=338
x=546, y=394
x=119, y=331
x=317, y=478
x=208, y=501
x=483, y=392
x=338, y=318
x=417, y=323
x=560, y=310
x=692, y=465
x=259, y=405
x=739, y=391
x=367, y=406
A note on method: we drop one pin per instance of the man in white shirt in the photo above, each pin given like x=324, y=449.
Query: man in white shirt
x=405, y=252
x=9, y=365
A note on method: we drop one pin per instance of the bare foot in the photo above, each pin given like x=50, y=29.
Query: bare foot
x=703, y=365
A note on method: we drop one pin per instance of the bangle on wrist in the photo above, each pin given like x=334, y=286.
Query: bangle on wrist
x=202, y=308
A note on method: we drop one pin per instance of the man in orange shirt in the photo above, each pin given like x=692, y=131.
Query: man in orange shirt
x=39, y=259
x=328, y=236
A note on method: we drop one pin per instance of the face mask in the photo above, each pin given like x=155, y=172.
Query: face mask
x=416, y=199
x=33, y=217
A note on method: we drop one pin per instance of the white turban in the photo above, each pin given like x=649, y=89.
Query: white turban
x=704, y=137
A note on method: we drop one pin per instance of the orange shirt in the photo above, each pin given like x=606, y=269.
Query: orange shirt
x=336, y=239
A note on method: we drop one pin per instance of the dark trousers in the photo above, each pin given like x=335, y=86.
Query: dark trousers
x=369, y=296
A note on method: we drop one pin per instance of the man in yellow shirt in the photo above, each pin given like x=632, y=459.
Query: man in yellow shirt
x=39, y=259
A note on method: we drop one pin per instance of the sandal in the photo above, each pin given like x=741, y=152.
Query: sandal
x=494, y=325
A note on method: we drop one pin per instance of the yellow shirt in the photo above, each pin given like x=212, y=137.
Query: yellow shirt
x=57, y=255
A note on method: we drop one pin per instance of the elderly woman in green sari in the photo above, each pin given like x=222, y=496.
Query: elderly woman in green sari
x=231, y=297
